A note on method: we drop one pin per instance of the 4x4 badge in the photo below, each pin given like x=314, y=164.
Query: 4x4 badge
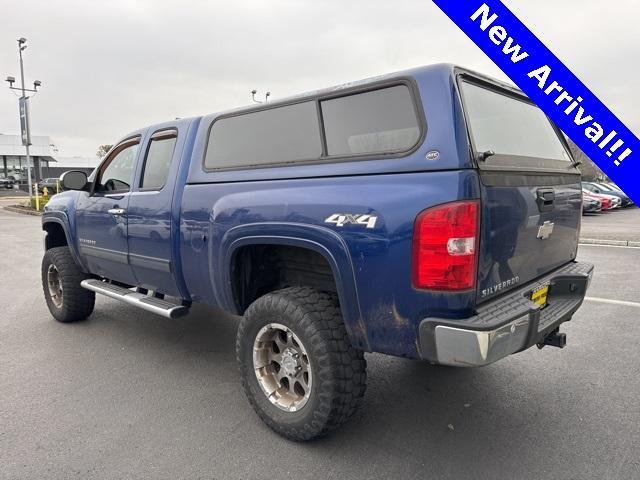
x=342, y=219
x=545, y=230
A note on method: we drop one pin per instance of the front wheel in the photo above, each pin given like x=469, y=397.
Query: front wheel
x=61, y=277
x=298, y=368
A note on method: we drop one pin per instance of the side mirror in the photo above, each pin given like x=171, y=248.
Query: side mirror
x=74, y=180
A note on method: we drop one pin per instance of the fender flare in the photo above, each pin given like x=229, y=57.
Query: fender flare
x=61, y=219
x=322, y=240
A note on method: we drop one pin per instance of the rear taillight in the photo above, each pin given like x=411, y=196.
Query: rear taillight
x=445, y=245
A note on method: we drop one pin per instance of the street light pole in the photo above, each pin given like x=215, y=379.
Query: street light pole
x=21, y=47
x=24, y=109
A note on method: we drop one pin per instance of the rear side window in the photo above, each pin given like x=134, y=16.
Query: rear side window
x=510, y=126
x=276, y=135
x=158, y=160
x=379, y=121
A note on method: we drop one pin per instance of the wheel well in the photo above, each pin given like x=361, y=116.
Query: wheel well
x=55, y=235
x=260, y=269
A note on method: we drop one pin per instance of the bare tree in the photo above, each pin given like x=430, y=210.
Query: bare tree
x=589, y=170
x=102, y=150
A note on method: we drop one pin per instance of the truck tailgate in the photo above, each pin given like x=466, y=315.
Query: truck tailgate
x=531, y=194
x=524, y=236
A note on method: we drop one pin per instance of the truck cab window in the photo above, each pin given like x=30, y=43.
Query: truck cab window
x=158, y=160
x=117, y=173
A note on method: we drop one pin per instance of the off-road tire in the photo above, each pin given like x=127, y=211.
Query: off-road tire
x=77, y=302
x=338, y=369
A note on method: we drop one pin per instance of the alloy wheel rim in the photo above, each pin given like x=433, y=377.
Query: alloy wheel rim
x=282, y=367
x=55, y=286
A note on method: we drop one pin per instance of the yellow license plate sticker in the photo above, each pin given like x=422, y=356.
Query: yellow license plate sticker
x=539, y=296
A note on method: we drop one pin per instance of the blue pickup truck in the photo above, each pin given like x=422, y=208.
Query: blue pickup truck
x=431, y=214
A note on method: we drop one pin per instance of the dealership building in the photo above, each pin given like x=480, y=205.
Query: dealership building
x=45, y=163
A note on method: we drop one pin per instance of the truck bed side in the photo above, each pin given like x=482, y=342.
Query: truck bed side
x=291, y=211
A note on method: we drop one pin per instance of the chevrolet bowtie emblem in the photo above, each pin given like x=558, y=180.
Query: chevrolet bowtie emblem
x=545, y=230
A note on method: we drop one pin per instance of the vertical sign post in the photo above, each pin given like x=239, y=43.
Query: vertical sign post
x=25, y=130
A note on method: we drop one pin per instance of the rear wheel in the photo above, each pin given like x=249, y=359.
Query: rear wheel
x=61, y=277
x=298, y=368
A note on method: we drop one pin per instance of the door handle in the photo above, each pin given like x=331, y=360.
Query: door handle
x=116, y=212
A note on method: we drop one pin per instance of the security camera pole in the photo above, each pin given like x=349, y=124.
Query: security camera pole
x=24, y=109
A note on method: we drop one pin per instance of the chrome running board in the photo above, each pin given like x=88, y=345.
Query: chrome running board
x=145, y=302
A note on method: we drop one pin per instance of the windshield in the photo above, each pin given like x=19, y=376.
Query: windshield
x=606, y=188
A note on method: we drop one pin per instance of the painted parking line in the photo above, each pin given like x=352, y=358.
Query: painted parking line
x=630, y=247
x=613, y=302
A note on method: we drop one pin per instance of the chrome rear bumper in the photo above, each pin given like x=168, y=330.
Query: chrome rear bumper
x=507, y=325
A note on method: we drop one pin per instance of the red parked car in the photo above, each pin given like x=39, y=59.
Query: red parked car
x=591, y=204
x=604, y=199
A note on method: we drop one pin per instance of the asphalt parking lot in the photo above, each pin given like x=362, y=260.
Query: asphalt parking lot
x=128, y=394
x=622, y=224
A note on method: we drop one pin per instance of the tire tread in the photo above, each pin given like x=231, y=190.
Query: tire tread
x=338, y=361
x=78, y=303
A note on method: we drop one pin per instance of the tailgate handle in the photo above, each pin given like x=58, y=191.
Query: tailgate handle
x=546, y=197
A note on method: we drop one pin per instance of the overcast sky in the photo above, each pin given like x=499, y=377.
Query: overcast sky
x=113, y=66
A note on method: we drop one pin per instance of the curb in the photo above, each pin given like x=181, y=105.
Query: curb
x=23, y=211
x=613, y=243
